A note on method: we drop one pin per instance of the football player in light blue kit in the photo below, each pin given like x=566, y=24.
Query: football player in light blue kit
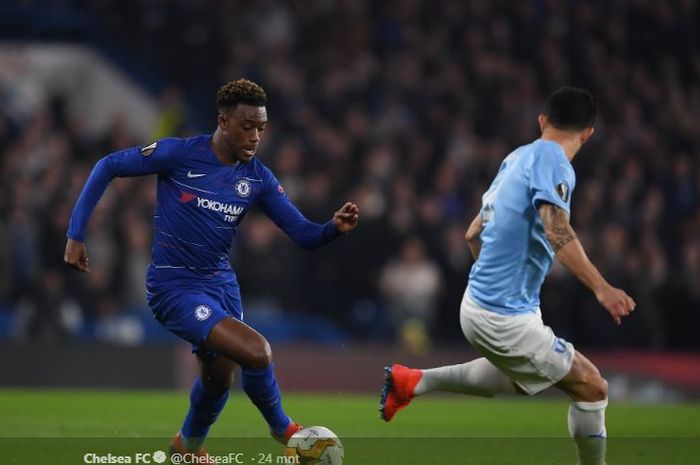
x=523, y=224
x=206, y=186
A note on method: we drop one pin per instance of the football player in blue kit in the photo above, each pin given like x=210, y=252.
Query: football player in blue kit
x=206, y=186
x=522, y=225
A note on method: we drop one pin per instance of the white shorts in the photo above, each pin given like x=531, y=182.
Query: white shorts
x=521, y=346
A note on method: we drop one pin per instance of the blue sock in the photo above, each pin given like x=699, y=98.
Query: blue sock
x=205, y=406
x=261, y=386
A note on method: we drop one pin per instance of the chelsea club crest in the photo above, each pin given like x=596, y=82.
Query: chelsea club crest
x=202, y=312
x=243, y=188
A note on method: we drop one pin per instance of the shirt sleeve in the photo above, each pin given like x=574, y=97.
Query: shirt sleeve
x=552, y=180
x=276, y=205
x=158, y=157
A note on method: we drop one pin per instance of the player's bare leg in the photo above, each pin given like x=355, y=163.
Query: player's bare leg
x=243, y=345
x=239, y=343
x=589, y=393
x=584, y=382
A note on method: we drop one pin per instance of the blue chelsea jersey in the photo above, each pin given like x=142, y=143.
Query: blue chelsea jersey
x=200, y=204
x=515, y=254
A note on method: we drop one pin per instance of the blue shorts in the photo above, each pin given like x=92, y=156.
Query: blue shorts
x=192, y=312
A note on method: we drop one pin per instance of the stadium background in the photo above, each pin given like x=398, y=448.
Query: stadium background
x=405, y=107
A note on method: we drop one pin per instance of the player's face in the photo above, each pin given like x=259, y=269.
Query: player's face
x=243, y=129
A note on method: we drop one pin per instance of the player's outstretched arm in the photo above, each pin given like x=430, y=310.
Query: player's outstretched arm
x=134, y=161
x=570, y=253
x=473, y=236
x=307, y=234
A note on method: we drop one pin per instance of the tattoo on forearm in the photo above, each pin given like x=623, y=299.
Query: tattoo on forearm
x=556, y=226
x=557, y=245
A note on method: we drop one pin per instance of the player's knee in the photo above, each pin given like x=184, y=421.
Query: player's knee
x=596, y=387
x=599, y=388
x=261, y=355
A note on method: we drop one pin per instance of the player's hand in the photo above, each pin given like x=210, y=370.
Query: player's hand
x=76, y=256
x=616, y=302
x=346, y=219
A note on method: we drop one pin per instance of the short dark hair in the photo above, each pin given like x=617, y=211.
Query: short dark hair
x=571, y=109
x=240, y=91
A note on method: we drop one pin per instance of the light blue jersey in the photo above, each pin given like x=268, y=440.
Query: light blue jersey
x=515, y=254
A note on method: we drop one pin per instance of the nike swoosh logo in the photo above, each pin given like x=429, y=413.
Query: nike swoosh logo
x=190, y=175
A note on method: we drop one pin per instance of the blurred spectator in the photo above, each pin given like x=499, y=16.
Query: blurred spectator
x=264, y=265
x=136, y=257
x=48, y=314
x=172, y=117
x=410, y=286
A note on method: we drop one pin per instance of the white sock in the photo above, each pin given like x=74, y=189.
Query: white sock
x=587, y=427
x=477, y=378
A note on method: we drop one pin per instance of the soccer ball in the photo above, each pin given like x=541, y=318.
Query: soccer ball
x=315, y=445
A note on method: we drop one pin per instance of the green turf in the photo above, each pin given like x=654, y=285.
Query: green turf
x=440, y=429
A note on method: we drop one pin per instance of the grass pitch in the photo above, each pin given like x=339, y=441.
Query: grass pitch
x=62, y=426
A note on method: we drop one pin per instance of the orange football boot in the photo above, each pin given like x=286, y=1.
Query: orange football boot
x=399, y=384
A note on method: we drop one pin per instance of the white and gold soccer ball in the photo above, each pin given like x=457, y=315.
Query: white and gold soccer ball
x=315, y=445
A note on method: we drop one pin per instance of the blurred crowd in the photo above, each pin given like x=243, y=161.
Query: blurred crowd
x=407, y=108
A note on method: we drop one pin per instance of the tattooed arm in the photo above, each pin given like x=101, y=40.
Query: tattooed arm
x=473, y=236
x=570, y=253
